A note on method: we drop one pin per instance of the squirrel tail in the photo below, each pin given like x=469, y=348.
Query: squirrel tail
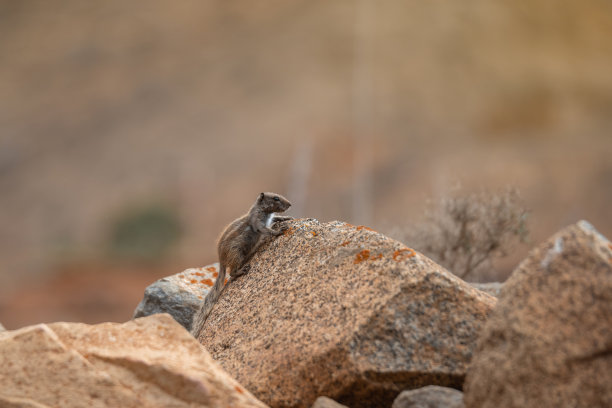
x=200, y=317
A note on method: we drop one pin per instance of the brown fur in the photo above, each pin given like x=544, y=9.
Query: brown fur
x=238, y=243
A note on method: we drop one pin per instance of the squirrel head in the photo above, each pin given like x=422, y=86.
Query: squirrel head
x=272, y=202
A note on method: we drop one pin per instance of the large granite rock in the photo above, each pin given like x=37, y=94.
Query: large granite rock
x=431, y=396
x=148, y=362
x=338, y=310
x=179, y=295
x=548, y=343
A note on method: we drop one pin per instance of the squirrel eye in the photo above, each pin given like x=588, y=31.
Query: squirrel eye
x=276, y=199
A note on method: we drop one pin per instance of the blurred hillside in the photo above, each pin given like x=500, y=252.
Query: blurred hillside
x=356, y=110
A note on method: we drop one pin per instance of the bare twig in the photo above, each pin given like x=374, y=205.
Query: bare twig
x=465, y=232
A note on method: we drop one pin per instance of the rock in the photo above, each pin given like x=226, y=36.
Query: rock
x=2, y=327
x=324, y=402
x=548, y=343
x=148, y=362
x=431, y=396
x=178, y=295
x=343, y=311
x=492, y=288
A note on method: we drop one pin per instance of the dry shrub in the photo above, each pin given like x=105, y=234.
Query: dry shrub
x=466, y=231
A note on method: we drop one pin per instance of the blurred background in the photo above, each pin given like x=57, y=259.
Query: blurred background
x=132, y=131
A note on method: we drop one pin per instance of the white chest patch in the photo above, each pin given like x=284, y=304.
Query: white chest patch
x=269, y=220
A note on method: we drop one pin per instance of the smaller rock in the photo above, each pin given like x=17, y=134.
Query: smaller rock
x=431, y=396
x=491, y=288
x=324, y=402
x=148, y=362
x=179, y=295
x=548, y=341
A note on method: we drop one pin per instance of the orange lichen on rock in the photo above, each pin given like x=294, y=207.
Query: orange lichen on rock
x=379, y=256
x=238, y=389
x=314, y=234
x=363, y=227
x=345, y=243
x=207, y=282
x=211, y=269
x=215, y=274
x=198, y=274
x=403, y=253
x=182, y=276
x=226, y=280
x=193, y=281
x=362, y=256
x=289, y=231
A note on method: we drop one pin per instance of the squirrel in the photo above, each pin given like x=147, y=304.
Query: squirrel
x=238, y=243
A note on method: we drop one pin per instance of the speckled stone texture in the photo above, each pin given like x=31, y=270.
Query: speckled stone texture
x=548, y=343
x=148, y=362
x=492, y=288
x=179, y=295
x=343, y=311
x=431, y=396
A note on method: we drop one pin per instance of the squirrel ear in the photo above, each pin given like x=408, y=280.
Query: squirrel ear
x=261, y=196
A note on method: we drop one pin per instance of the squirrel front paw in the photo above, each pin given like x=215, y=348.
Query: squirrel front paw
x=282, y=218
x=282, y=228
